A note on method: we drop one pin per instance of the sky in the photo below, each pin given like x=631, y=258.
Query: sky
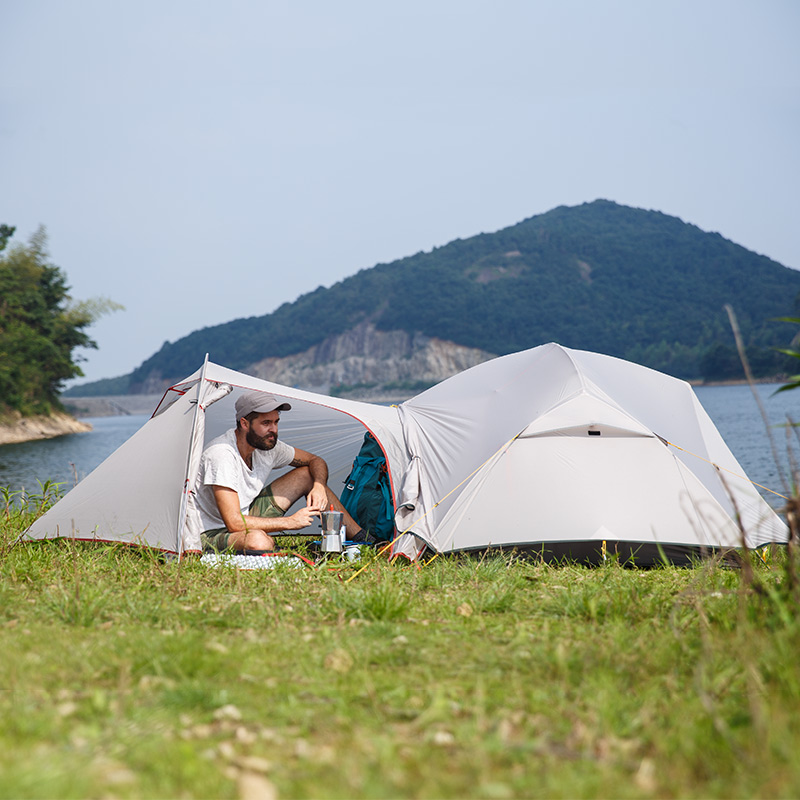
x=199, y=162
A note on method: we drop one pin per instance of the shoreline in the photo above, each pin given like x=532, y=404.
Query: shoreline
x=19, y=429
x=736, y=382
x=112, y=405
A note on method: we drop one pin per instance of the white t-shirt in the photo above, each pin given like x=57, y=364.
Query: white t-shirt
x=222, y=465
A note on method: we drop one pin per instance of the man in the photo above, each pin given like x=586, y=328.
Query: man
x=237, y=506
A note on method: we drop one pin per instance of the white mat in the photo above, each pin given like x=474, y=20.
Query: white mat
x=250, y=562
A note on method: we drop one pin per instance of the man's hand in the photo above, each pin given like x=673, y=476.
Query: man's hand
x=318, y=497
x=303, y=518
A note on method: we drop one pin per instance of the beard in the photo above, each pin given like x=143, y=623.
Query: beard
x=261, y=442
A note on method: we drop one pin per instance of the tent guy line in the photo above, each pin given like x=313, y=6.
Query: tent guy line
x=723, y=469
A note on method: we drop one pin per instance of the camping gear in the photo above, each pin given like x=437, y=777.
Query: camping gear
x=352, y=551
x=331, y=521
x=367, y=495
x=332, y=531
x=603, y=456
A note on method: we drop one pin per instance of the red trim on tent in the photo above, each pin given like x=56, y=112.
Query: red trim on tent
x=163, y=397
x=101, y=541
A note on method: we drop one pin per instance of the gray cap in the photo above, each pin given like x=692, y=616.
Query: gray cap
x=261, y=402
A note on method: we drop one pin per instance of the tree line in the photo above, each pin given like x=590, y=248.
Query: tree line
x=41, y=326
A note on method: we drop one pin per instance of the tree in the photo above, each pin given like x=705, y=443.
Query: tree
x=6, y=232
x=721, y=362
x=40, y=326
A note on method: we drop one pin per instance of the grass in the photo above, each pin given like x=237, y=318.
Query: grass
x=124, y=676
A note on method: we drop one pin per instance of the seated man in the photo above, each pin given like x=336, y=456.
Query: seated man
x=238, y=507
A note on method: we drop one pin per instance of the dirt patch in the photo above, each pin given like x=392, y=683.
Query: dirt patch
x=488, y=274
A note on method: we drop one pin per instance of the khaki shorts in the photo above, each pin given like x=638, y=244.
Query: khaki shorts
x=215, y=540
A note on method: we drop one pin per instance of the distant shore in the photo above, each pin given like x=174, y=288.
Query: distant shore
x=27, y=429
x=112, y=405
x=737, y=382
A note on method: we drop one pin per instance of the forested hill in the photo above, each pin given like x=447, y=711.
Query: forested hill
x=601, y=276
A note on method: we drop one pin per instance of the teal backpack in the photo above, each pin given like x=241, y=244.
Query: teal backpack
x=367, y=495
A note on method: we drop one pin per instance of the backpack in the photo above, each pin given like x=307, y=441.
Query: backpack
x=367, y=495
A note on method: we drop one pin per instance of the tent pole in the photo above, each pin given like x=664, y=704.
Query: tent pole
x=186, y=488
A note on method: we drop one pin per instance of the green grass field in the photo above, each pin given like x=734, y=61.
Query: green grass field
x=123, y=676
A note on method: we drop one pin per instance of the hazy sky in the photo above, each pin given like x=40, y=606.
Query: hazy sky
x=202, y=161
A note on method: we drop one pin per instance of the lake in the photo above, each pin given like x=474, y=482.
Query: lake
x=65, y=459
x=735, y=412
x=733, y=409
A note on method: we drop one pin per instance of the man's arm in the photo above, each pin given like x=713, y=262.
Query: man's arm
x=228, y=504
x=317, y=498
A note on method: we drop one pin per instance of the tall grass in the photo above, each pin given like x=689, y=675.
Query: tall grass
x=18, y=509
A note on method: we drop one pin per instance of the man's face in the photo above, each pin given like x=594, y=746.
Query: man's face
x=262, y=432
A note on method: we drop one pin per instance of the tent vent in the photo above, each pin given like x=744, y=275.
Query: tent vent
x=594, y=433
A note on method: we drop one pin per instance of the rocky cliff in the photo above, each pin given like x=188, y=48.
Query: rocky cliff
x=369, y=364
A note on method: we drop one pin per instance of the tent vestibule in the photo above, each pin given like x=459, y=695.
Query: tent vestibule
x=139, y=493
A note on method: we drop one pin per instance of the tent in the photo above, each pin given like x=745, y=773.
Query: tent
x=561, y=451
x=141, y=493
x=575, y=454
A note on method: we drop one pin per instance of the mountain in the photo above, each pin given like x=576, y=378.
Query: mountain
x=624, y=281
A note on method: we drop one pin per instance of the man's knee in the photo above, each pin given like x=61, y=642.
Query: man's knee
x=258, y=540
x=251, y=540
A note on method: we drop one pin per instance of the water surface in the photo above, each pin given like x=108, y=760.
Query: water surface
x=736, y=414
x=65, y=459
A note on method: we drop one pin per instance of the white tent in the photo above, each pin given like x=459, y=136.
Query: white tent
x=573, y=453
x=140, y=493
x=557, y=450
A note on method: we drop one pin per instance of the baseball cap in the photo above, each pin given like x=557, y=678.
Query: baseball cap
x=261, y=402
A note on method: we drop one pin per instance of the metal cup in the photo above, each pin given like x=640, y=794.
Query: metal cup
x=353, y=552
